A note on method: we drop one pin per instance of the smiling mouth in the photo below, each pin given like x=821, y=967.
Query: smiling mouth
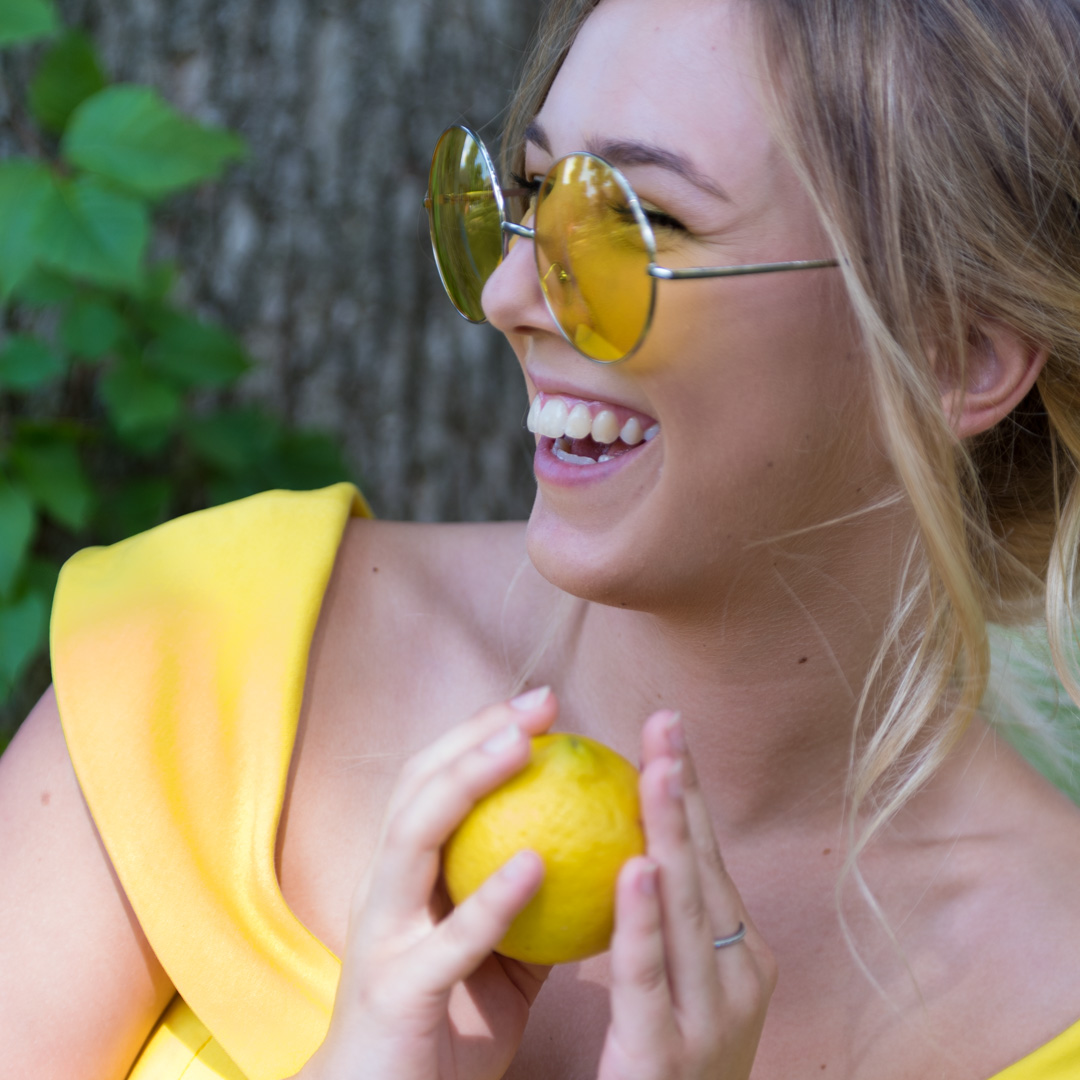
x=588, y=432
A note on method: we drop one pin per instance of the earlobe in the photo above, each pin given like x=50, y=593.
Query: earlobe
x=1001, y=367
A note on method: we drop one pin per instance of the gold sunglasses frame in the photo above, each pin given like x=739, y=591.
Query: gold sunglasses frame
x=654, y=270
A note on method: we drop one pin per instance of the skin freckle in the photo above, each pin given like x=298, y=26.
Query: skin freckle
x=803, y=659
x=45, y=798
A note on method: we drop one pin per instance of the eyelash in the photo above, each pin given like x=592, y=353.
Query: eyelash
x=656, y=218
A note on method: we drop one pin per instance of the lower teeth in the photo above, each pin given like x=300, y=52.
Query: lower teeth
x=561, y=449
x=572, y=459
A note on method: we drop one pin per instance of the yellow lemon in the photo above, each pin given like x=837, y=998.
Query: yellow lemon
x=576, y=805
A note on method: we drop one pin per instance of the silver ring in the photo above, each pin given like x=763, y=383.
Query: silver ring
x=734, y=939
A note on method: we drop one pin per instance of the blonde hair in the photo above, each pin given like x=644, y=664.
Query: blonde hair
x=940, y=140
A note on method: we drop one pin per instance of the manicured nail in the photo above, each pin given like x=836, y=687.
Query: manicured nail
x=516, y=866
x=502, y=740
x=674, y=780
x=531, y=699
x=675, y=736
x=647, y=880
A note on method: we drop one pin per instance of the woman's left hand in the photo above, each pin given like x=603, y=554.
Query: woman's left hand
x=680, y=1008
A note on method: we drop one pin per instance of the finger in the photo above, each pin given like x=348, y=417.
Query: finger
x=469, y=934
x=407, y=860
x=655, y=741
x=721, y=895
x=534, y=711
x=746, y=971
x=701, y=828
x=642, y=1018
x=687, y=921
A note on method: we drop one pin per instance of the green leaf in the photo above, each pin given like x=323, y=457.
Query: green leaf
x=26, y=362
x=233, y=440
x=88, y=231
x=254, y=452
x=27, y=188
x=52, y=475
x=68, y=74
x=41, y=576
x=130, y=135
x=27, y=20
x=43, y=288
x=136, y=506
x=138, y=402
x=22, y=634
x=91, y=329
x=17, y=523
x=306, y=460
x=159, y=280
x=195, y=353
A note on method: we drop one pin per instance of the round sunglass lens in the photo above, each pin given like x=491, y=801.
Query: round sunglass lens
x=593, y=258
x=466, y=226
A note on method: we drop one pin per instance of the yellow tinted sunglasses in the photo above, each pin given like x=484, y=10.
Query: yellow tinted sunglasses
x=595, y=248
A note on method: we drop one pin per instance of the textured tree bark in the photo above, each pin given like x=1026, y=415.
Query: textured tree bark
x=316, y=250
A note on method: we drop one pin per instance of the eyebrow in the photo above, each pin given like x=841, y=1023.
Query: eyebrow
x=624, y=152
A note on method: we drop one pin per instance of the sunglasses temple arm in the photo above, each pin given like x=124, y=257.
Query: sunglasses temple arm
x=666, y=273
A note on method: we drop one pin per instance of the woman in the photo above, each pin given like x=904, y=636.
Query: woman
x=850, y=469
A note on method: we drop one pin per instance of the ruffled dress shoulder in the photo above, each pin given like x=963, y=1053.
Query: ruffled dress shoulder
x=179, y=658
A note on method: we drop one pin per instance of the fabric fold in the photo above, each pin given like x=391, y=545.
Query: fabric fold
x=179, y=658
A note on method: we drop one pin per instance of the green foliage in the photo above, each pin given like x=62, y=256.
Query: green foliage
x=128, y=135
x=27, y=20
x=26, y=362
x=16, y=531
x=107, y=425
x=25, y=187
x=69, y=73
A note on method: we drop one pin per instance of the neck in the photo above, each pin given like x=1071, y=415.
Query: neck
x=767, y=676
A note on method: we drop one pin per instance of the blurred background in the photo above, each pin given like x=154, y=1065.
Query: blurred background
x=292, y=266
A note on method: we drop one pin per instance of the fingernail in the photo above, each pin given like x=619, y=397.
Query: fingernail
x=531, y=699
x=516, y=866
x=675, y=736
x=674, y=780
x=502, y=740
x=647, y=880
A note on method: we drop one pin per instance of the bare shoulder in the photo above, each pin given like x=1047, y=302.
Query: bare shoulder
x=79, y=985
x=989, y=905
x=424, y=606
x=476, y=576
x=421, y=626
x=1026, y=908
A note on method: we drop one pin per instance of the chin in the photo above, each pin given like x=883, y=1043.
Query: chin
x=600, y=566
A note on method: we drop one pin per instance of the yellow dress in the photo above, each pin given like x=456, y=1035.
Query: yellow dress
x=179, y=658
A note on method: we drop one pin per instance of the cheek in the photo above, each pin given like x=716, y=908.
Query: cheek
x=776, y=406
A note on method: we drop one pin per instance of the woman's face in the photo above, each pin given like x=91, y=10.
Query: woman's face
x=757, y=383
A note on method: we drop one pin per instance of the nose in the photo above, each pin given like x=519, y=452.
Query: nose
x=512, y=298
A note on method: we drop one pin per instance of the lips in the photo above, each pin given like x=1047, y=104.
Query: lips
x=580, y=439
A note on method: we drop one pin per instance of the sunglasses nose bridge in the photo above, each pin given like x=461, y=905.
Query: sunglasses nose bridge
x=519, y=230
x=513, y=299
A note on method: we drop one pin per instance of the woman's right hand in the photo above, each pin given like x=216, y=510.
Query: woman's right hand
x=422, y=996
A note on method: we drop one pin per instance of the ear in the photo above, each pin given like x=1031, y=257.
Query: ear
x=1000, y=368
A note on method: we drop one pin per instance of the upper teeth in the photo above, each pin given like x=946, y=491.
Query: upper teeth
x=554, y=418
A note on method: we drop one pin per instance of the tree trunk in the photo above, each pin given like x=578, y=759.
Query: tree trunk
x=316, y=249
